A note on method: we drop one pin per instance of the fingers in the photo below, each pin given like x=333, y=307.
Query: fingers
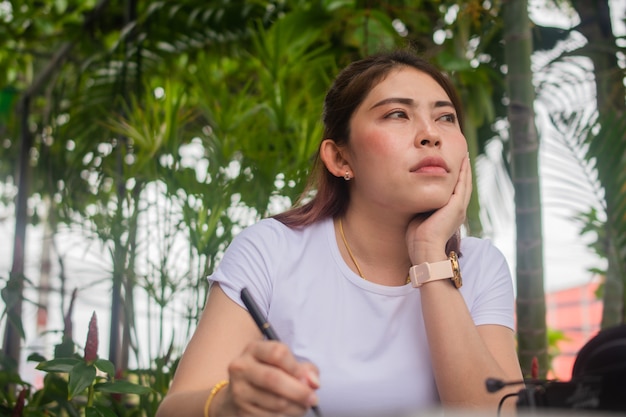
x=453, y=213
x=258, y=402
x=431, y=231
x=278, y=355
x=462, y=190
x=466, y=174
x=310, y=375
x=267, y=378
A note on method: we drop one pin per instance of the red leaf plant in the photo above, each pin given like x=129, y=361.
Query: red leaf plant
x=18, y=410
x=534, y=368
x=91, y=346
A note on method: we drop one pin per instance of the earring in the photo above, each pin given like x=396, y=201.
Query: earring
x=347, y=176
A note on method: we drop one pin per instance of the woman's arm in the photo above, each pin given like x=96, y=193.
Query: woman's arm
x=465, y=355
x=264, y=376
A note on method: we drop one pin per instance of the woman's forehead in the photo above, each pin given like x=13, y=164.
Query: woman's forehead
x=407, y=82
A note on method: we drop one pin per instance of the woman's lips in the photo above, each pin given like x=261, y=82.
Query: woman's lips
x=431, y=165
x=431, y=169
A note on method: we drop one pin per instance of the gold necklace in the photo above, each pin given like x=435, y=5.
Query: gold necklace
x=345, y=242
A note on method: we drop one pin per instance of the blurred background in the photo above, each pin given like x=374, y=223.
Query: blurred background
x=138, y=137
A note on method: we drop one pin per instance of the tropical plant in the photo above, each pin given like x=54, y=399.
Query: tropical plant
x=109, y=56
x=608, y=150
x=74, y=385
x=160, y=129
x=582, y=85
x=147, y=82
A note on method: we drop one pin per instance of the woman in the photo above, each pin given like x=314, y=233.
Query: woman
x=359, y=337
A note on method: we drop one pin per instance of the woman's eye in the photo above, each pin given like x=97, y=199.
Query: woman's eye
x=397, y=114
x=450, y=117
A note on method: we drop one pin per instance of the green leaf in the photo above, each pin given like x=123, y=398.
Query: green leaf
x=105, y=366
x=92, y=412
x=451, y=62
x=99, y=411
x=59, y=365
x=10, y=295
x=81, y=376
x=122, y=387
x=35, y=357
x=7, y=98
x=65, y=349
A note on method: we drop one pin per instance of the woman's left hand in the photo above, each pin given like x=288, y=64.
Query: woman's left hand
x=428, y=234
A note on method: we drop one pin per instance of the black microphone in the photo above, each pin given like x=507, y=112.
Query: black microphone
x=495, y=384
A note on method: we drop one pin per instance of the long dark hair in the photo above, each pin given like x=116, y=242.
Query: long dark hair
x=325, y=194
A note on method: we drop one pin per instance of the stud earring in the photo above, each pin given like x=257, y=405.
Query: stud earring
x=347, y=176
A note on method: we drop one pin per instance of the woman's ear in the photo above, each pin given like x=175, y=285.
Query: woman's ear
x=333, y=157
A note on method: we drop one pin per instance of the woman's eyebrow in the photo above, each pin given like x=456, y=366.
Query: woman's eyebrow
x=443, y=103
x=409, y=102
x=392, y=100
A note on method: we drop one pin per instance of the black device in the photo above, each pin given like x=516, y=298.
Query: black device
x=598, y=379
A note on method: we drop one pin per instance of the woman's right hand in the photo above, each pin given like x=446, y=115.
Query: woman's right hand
x=267, y=380
x=427, y=235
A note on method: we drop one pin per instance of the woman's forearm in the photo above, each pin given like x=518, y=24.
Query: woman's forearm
x=462, y=359
x=188, y=404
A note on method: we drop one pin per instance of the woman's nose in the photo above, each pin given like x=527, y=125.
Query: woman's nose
x=428, y=135
x=429, y=142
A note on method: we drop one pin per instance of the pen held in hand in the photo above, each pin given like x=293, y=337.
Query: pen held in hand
x=264, y=325
x=256, y=314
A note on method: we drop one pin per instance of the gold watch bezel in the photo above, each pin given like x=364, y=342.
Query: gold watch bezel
x=456, y=279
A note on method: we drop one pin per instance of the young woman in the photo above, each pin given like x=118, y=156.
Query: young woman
x=360, y=280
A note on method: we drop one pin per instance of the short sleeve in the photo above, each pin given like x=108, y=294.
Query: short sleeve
x=248, y=262
x=487, y=283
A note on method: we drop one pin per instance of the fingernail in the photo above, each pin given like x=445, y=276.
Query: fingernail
x=313, y=379
x=313, y=400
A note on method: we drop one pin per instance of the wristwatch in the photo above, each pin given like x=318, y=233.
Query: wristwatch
x=428, y=272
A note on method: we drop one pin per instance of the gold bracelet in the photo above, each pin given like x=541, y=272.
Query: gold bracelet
x=214, y=391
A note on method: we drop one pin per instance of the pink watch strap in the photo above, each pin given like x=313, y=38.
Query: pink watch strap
x=427, y=272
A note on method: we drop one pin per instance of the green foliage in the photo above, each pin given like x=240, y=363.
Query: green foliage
x=554, y=337
x=10, y=295
x=597, y=150
x=213, y=106
x=75, y=387
x=241, y=82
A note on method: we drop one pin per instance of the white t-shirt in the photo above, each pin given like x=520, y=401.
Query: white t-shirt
x=368, y=340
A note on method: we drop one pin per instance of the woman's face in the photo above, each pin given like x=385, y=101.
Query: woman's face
x=406, y=145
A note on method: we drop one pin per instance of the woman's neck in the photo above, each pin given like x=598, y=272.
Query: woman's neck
x=377, y=245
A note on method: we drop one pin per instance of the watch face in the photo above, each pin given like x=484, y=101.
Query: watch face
x=456, y=270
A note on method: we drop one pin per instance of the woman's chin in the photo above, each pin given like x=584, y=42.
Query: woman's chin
x=432, y=206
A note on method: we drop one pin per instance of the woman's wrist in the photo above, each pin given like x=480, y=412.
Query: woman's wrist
x=432, y=255
x=210, y=404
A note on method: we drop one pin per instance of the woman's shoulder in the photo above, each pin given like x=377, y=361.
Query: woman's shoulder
x=481, y=253
x=264, y=226
x=476, y=246
x=480, y=257
x=273, y=232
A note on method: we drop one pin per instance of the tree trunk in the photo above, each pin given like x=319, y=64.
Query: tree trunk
x=15, y=287
x=531, y=308
x=14, y=331
x=474, y=224
x=45, y=268
x=119, y=341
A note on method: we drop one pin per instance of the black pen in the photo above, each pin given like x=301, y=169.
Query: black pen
x=263, y=325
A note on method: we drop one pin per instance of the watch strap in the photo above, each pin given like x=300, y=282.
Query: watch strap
x=428, y=272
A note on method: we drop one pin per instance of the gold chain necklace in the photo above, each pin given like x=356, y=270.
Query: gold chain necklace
x=345, y=242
